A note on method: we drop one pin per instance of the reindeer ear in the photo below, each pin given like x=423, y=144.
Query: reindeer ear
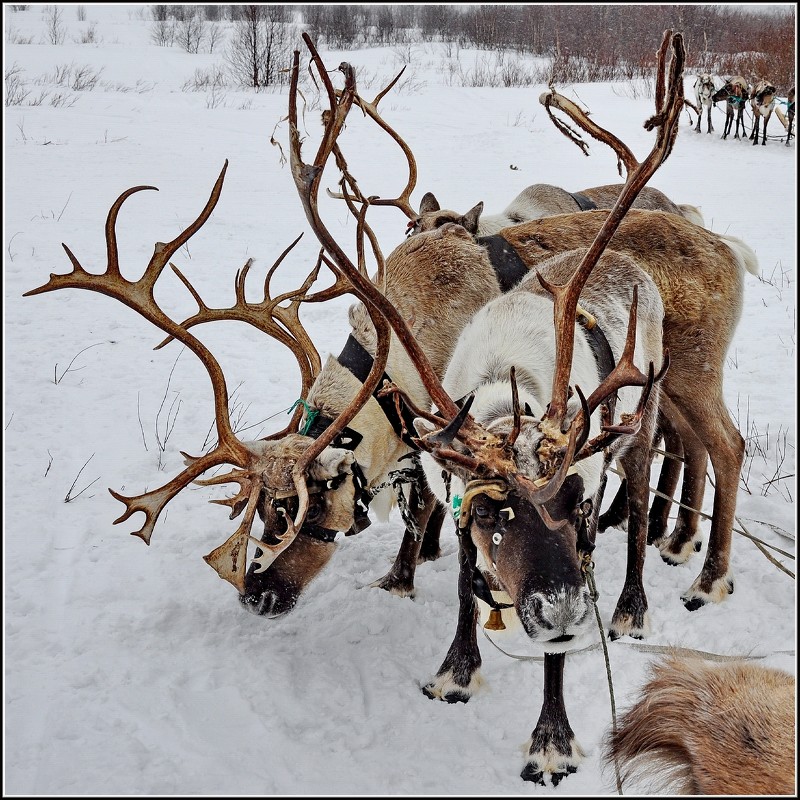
x=423, y=427
x=332, y=461
x=429, y=203
x=470, y=219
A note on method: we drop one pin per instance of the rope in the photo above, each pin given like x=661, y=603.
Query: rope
x=311, y=414
x=589, y=572
x=744, y=533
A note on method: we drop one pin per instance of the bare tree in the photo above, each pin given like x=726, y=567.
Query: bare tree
x=190, y=31
x=54, y=26
x=215, y=35
x=261, y=47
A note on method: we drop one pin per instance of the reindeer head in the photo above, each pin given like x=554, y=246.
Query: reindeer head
x=431, y=216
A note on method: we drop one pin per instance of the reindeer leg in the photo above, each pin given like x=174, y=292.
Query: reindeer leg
x=764, y=131
x=616, y=515
x=400, y=578
x=681, y=440
x=725, y=445
x=708, y=119
x=430, y=549
x=459, y=678
x=630, y=616
x=553, y=749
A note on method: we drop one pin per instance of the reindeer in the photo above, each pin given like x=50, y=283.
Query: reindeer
x=521, y=471
x=788, y=120
x=712, y=729
x=291, y=479
x=762, y=103
x=704, y=89
x=735, y=94
x=542, y=200
x=701, y=428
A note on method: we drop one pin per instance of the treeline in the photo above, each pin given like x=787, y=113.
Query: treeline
x=584, y=42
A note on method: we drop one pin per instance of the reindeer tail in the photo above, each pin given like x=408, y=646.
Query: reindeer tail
x=709, y=728
x=744, y=253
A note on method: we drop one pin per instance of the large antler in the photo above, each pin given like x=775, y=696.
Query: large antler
x=565, y=297
x=278, y=321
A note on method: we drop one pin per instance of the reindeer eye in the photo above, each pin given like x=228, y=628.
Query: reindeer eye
x=315, y=510
x=484, y=511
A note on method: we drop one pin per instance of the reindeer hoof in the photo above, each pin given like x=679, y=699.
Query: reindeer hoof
x=697, y=597
x=394, y=585
x=444, y=687
x=530, y=773
x=559, y=776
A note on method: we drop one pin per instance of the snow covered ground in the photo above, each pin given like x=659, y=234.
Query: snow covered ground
x=132, y=669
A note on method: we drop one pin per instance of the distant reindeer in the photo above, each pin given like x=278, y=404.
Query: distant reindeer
x=543, y=200
x=708, y=728
x=762, y=103
x=735, y=95
x=788, y=120
x=704, y=89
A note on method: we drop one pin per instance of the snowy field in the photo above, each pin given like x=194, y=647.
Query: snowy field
x=132, y=669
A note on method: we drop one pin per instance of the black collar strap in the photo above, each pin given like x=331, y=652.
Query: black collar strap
x=584, y=203
x=481, y=590
x=355, y=358
x=507, y=264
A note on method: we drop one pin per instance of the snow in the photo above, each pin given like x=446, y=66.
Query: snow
x=132, y=669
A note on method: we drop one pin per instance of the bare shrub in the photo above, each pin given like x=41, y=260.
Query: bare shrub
x=216, y=97
x=204, y=79
x=16, y=89
x=84, y=78
x=63, y=100
x=81, y=13
x=215, y=36
x=14, y=37
x=89, y=36
x=54, y=27
x=163, y=31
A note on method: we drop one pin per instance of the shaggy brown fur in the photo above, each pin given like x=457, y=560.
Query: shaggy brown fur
x=707, y=728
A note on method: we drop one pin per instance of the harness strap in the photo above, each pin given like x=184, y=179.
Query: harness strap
x=507, y=264
x=356, y=359
x=348, y=439
x=584, y=203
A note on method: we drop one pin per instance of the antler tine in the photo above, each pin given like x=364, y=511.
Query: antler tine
x=625, y=373
x=403, y=200
x=624, y=155
x=566, y=296
x=281, y=323
x=516, y=409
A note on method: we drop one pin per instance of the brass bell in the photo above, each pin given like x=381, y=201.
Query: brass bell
x=495, y=621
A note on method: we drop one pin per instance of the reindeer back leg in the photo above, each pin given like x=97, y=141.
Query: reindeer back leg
x=681, y=440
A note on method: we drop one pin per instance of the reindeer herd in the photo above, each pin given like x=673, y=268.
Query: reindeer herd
x=759, y=94
x=497, y=366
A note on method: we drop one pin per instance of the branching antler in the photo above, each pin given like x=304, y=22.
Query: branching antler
x=278, y=321
x=565, y=297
